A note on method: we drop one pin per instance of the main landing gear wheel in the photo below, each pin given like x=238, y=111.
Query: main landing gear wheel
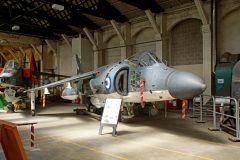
x=92, y=109
x=79, y=111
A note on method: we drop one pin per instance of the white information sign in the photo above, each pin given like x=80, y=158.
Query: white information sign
x=111, y=111
x=220, y=81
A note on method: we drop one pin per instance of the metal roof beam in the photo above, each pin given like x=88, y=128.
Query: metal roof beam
x=29, y=31
x=117, y=30
x=153, y=21
x=28, y=24
x=90, y=37
x=22, y=51
x=67, y=40
x=104, y=10
x=201, y=12
x=37, y=51
x=25, y=13
x=13, y=54
x=109, y=12
x=51, y=46
x=143, y=5
x=55, y=24
x=4, y=57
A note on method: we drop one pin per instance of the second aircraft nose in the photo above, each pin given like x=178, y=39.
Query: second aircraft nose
x=185, y=85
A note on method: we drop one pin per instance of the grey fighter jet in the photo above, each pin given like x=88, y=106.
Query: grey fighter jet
x=122, y=80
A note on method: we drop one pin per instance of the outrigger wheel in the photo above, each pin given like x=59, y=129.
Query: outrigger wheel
x=10, y=107
x=33, y=112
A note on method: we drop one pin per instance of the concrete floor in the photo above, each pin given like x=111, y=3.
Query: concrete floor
x=62, y=135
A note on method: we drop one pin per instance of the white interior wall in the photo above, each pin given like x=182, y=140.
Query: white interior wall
x=195, y=69
x=76, y=50
x=65, y=60
x=48, y=61
x=110, y=53
x=229, y=33
x=86, y=55
x=67, y=56
x=143, y=41
x=186, y=43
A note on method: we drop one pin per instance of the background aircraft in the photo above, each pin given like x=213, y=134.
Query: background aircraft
x=14, y=75
x=11, y=74
x=14, y=79
x=122, y=80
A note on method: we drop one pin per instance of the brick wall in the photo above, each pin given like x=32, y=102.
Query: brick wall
x=186, y=43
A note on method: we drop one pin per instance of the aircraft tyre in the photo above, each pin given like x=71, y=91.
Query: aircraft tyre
x=92, y=109
x=123, y=118
x=33, y=112
x=10, y=107
x=80, y=111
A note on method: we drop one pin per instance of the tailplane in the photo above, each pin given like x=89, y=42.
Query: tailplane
x=79, y=65
x=79, y=71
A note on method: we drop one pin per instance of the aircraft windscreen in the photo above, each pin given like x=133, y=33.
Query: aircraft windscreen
x=156, y=58
x=144, y=59
x=10, y=65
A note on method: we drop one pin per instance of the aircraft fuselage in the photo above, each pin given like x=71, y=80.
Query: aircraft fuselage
x=121, y=80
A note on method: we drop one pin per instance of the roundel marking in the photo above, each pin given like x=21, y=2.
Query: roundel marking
x=108, y=83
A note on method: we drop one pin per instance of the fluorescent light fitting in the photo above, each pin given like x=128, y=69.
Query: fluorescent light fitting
x=15, y=27
x=57, y=7
x=3, y=41
x=46, y=91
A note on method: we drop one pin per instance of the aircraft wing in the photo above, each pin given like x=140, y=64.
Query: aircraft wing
x=52, y=75
x=73, y=78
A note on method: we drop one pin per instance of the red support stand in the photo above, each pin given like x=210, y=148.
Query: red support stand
x=184, y=106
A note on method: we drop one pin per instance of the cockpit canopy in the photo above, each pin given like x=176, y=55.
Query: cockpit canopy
x=144, y=59
x=11, y=65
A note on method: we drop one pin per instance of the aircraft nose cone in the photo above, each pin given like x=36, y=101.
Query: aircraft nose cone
x=185, y=85
x=204, y=86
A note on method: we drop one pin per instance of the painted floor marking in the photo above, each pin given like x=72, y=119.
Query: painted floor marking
x=95, y=150
x=166, y=149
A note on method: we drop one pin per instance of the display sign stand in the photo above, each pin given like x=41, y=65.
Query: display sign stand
x=110, y=115
x=114, y=133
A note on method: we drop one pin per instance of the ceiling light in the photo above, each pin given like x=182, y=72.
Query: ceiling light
x=57, y=7
x=3, y=41
x=15, y=27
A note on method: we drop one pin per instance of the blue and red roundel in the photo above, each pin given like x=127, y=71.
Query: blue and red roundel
x=108, y=83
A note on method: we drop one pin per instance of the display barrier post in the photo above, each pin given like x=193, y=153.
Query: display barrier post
x=193, y=112
x=165, y=108
x=201, y=110
x=214, y=128
x=32, y=135
x=33, y=103
x=237, y=138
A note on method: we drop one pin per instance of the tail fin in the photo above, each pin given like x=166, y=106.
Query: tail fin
x=79, y=65
x=79, y=71
x=33, y=68
x=33, y=65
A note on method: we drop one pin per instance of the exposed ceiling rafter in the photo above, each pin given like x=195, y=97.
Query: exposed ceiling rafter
x=152, y=5
x=39, y=18
x=100, y=8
